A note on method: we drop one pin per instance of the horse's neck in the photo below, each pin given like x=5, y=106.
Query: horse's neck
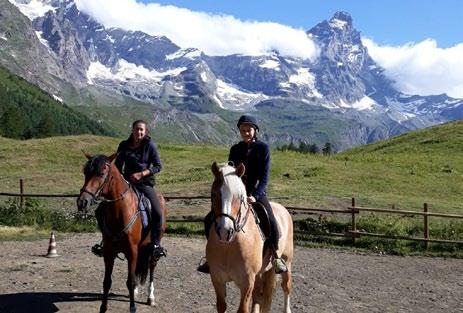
x=121, y=190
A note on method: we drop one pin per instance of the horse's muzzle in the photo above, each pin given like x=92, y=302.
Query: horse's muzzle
x=225, y=234
x=83, y=204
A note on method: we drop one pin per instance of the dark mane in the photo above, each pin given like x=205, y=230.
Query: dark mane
x=93, y=165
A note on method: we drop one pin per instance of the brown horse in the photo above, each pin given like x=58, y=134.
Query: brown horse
x=122, y=227
x=235, y=248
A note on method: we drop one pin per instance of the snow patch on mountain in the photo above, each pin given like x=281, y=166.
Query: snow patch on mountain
x=366, y=103
x=126, y=71
x=32, y=9
x=184, y=53
x=231, y=98
x=57, y=98
x=337, y=23
x=271, y=64
x=42, y=40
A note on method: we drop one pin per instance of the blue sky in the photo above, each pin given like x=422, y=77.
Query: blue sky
x=387, y=22
x=418, y=43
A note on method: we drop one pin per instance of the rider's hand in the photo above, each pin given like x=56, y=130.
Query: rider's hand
x=135, y=177
x=251, y=199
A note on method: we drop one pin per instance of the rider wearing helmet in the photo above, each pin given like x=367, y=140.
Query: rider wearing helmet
x=255, y=155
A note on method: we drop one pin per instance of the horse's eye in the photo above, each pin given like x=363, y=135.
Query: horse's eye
x=101, y=175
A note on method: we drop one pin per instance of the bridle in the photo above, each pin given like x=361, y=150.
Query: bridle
x=97, y=196
x=240, y=220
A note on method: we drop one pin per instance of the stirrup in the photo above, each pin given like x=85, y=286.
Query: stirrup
x=159, y=252
x=279, y=265
x=203, y=266
x=98, y=249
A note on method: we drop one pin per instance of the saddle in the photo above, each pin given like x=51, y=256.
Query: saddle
x=263, y=220
x=144, y=205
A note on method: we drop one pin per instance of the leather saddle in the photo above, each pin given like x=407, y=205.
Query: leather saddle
x=263, y=221
x=144, y=205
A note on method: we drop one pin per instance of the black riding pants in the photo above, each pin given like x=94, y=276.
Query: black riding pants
x=274, y=233
x=156, y=213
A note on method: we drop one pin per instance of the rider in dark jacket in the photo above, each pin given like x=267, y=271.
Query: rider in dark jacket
x=255, y=155
x=138, y=160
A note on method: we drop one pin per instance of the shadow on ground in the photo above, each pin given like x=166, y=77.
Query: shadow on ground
x=44, y=302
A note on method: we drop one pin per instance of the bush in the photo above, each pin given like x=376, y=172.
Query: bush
x=34, y=214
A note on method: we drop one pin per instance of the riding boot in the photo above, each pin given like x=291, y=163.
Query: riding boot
x=278, y=263
x=158, y=250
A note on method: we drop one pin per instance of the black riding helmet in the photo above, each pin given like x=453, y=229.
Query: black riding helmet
x=246, y=118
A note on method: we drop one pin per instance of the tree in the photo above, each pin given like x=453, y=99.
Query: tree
x=13, y=123
x=314, y=149
x=327, y=149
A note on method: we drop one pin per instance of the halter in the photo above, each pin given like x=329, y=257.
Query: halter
x=97, y=196
x=238, y=223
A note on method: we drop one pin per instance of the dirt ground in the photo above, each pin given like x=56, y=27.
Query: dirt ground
x=324, y=281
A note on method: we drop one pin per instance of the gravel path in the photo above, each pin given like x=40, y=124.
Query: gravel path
x=324, y=281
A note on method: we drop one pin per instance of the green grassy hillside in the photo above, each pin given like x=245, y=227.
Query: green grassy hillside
x=28, y=112
x=422, y=166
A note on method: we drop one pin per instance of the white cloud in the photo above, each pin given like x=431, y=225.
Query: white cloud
x=214, y=34
x=421, y=68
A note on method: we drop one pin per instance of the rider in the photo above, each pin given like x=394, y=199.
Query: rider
x=255, y=155
x=138, y=160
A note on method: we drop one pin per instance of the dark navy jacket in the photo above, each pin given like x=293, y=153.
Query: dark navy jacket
x=256, y=159
x=144, y=157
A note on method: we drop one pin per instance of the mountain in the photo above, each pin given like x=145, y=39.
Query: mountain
x=342, y=96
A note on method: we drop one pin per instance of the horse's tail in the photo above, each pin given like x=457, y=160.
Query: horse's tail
x=143, y=260
x=269, y=284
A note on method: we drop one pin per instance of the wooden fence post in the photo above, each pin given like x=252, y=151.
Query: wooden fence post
x=426, y=225
x=354, y=223
x=21, y=192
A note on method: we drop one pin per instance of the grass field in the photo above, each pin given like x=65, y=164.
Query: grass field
x=423, y=166
x=406, y=171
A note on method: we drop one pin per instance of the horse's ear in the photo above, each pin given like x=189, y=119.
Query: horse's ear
x=88, y=156
x=112, y=157
x=240, y=170
x=215, y=169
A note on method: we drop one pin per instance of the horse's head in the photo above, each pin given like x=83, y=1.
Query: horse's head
x=228, y=195
x=97, y=173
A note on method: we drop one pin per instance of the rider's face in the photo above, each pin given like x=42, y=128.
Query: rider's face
x=247, y=132
x=139, y=131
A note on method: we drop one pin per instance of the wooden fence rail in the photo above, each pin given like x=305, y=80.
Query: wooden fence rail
x=352, y=210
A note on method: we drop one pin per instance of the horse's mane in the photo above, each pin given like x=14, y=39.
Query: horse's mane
x=94, y=164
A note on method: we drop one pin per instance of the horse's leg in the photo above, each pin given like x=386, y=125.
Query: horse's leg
x=108, y=270
x=131, y=280
x=246, y=289
x=151, y=299
x=287, y=285
x=220, y=293
x=257, y=294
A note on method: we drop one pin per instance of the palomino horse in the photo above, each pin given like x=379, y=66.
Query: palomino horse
x=235, y=246
x=122, y=227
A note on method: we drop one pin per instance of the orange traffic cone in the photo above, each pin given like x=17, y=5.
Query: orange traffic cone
x=52, y=247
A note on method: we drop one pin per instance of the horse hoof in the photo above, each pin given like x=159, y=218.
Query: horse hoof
x=151, y=302
x=133, y=310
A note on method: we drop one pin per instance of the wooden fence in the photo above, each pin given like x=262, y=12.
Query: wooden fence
x=351, y=210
